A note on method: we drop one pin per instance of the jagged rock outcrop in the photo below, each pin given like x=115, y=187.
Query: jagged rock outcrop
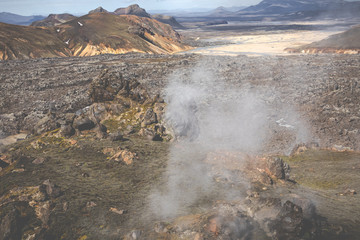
x=117, y=102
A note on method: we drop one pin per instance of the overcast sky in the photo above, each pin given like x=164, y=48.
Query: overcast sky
x=45, y=7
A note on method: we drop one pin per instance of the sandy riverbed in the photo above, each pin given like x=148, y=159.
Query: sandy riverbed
x=262, y=44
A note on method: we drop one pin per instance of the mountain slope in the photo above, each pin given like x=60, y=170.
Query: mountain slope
x=92, y=34
x=346, y=42
x=22, y=42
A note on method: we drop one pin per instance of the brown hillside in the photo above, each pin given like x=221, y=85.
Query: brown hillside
x=23, y=42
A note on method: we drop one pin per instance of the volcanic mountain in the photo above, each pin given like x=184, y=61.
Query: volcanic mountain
x=346, y=42
x=92, y=34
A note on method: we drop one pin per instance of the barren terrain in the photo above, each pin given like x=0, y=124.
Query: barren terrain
x=238, y=141
x=260, y=38
x=246, y=108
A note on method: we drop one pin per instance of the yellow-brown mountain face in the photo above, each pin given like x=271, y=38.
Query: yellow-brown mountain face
x=92, y=34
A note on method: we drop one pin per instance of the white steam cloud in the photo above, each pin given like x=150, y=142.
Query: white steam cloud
x=207, y=115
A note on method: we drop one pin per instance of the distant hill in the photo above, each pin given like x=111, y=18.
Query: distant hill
x=11, y=18
x=54, y=20
x=346, y=42
x=305, y=8
x=168, y=20
x=132, y=10
x=92, y=34
x=282, y=6
x=221, y=12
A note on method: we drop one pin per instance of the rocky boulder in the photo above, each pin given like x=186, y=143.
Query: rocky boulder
x=50, y=189
x=149, y=118
x=289, y=223
x=10, y=227
x=116, y=136
x=82, y=123
x=277, y=168
x=101, y=88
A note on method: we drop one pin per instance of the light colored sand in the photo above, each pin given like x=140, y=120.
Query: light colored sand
x=263, y=44
x=13, y=139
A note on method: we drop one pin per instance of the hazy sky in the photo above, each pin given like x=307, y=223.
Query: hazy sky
x=44, y=7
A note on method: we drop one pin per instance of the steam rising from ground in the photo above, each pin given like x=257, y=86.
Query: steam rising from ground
x=207, y=115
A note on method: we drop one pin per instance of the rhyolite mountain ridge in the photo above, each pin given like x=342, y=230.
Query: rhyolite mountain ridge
x=92, y=34
x=130, y=10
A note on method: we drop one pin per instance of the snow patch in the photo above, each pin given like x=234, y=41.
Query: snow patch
x=58, y=30
x=80, y=24
x=67, y=42
x=282, y=123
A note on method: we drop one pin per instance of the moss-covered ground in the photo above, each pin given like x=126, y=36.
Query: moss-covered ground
x=85, y=175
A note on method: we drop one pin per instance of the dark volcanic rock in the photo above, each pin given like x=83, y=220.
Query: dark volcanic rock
x=289, y=223
x=14, y=220
x=50, y=189
x=149, y=118
x=83, y=123
x=278, y=168
x=100, y=89
x=45, y=124
x=136, y=30
x=216, y=22
x=40, y=160
x=307, y=206
x=67, y=130
x=10, y=227
x=101, y=130
x=116, y=136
